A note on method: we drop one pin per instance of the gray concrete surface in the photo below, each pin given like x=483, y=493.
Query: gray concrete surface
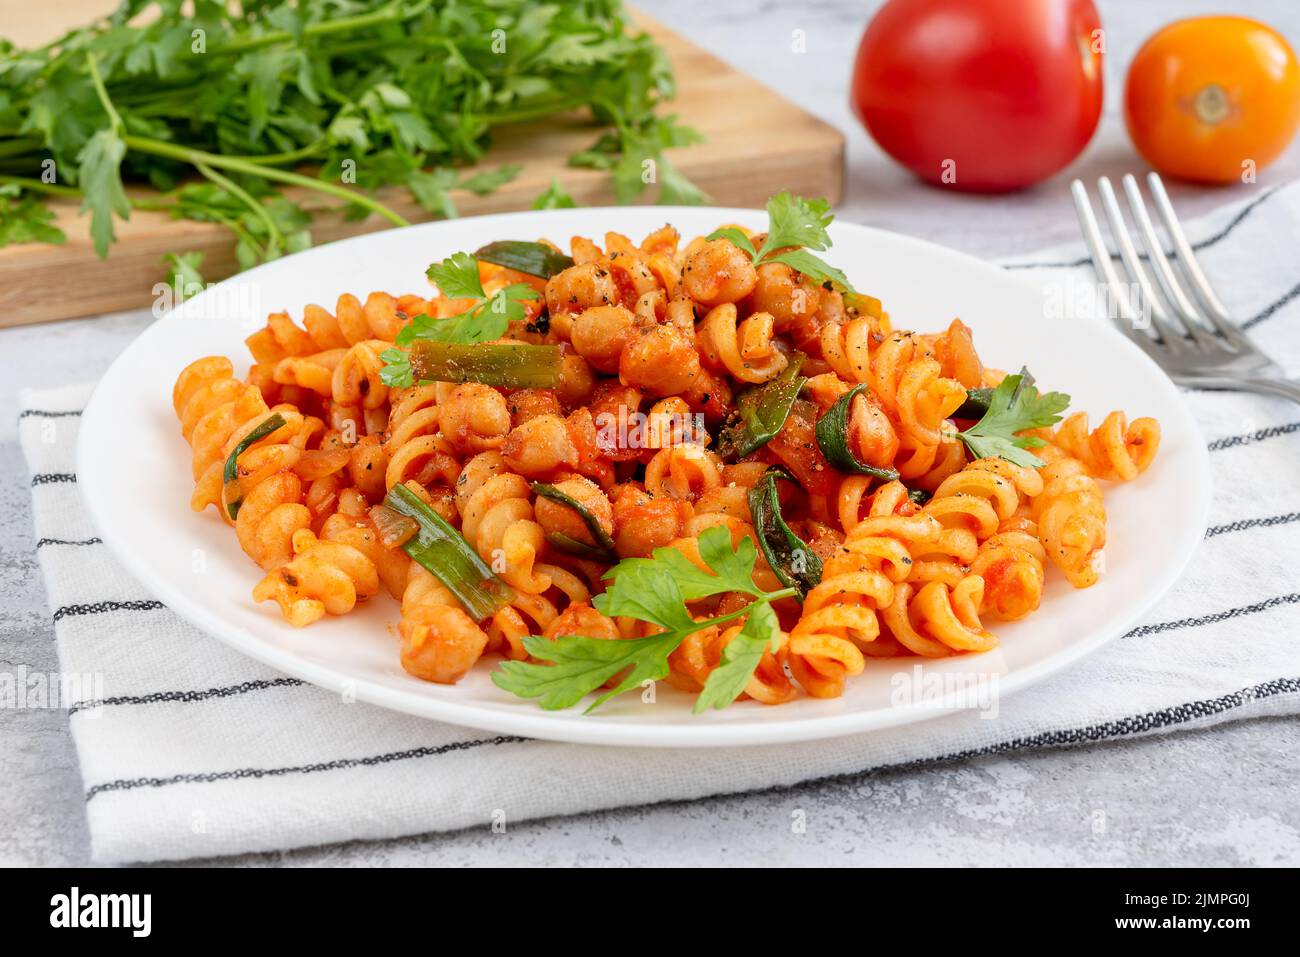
x=1220, y=797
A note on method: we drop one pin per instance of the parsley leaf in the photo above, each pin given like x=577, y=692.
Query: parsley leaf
x=555, y=196
x=793, y=221
x=654, y=590
x=1014, y=409
x=457, y=277
x=25, y=219
x=100, y=178
x=761, y=633
x=183, y=273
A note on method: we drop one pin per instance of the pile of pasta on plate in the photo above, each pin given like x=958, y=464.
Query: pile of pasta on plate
x=710, y=461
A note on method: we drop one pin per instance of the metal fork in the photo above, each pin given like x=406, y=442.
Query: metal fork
x=1190, y=336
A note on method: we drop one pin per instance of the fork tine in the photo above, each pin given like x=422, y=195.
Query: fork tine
x=1101, y=261
x=1215, y=310
x=1160, y=319
x=1183, y=308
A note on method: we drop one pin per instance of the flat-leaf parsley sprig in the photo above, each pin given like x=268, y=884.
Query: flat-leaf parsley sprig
x=457, y=277
x=1015, y=406
x=655, y=590
x=792, y=221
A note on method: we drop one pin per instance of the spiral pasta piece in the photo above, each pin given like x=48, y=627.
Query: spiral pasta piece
x=1071, y=518
x=322, y=578
x=747, y=350
x=440, y=642
x=497, y=519
x=1117, y=450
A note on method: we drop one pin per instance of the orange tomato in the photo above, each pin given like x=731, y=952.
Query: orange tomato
x=1209, y=96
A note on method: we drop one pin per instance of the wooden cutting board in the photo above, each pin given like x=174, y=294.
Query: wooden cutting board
x=758, y=143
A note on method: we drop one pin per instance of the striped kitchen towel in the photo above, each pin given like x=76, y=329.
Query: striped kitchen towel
x=196, y=750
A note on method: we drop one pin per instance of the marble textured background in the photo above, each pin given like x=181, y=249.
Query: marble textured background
x=1219, y=797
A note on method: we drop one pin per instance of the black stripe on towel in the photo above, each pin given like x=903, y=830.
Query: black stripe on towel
x=1268, y=311
x=46, y=414
x=68, y=541
x=1242, y=524
x=1203, y=244
x=1216, y=617
x=1250, y=438
x=159, y=697
x=100, y=607
x=52, y=478
x=127, y=784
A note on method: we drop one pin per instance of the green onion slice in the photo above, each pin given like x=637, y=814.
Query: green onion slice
x=508, y=365
x=231, y=491
x=534, y=259
x=761, y=411
x=789, y=556
x=603, y=550
x=448, y=557
x=833, y=438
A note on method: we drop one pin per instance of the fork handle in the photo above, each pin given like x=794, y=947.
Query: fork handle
x=1285, y=388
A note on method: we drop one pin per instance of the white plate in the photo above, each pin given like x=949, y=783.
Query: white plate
x=134, y=472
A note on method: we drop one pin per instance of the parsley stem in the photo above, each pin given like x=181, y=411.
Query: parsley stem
x=37, y=186
x=230, y=186
x=768, y=597
x=113, y=118
x=195, y=157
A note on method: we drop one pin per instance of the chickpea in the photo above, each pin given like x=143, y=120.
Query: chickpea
x=661, y=360
x=474, y=417
x=779, y=292
x=576, y=380
x=582, y=619
x=527, y=404
x=718, y=272
x=539, y=446
x=643, y=523
x=600, y=333
x=580, y=287
x=555, y=517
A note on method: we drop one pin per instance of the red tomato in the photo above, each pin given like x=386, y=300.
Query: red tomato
x=981, y=95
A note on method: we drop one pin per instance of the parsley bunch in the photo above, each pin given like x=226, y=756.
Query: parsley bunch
x=793, y=222
x=655, y=590
x=362, y=95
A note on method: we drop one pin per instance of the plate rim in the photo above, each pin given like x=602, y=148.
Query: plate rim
x=589, y=729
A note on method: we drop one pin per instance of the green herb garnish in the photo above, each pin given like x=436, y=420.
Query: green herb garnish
x=654, y=590
x=977, y=400
x=448, y=557
x=833, y=439
x=798, y=222
x=489, y=317
x=507, y=365
x=604, y=547
x=790, y=558
x=1014, y=409
x=761, y=411
x=535, y=259
x=230, y=474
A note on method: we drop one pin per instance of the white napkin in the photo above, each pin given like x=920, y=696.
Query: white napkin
x=196, y=750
